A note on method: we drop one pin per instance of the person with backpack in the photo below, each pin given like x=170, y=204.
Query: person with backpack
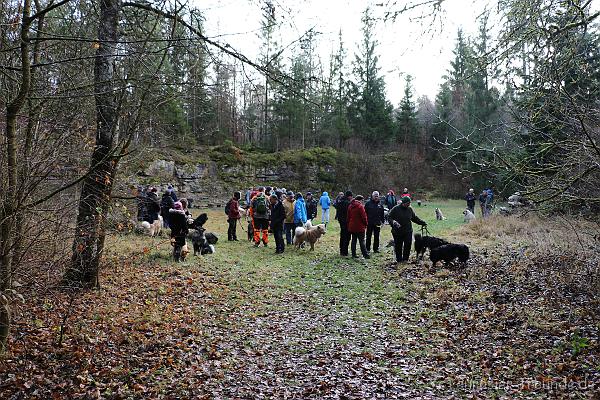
x=342, y=217
x=232, y=209
x=166, y=203
x=260, y=218
x=277, y=218
x=325, y=202
x=289, y=225
x=375, y=218
x=311, y=206
x=300, y=217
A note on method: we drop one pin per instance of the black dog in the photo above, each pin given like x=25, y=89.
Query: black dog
x=449, y=252
x=250, y=231
x=199, y=222
x=200, y=239
x=422, y=243
x=211, y=238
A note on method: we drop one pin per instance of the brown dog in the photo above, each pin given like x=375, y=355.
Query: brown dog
x=310, y=235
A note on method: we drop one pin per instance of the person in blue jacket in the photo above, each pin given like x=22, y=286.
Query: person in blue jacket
x=325, y=202
x=300, y=210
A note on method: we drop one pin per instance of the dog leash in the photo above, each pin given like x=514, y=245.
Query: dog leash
x=424, y=230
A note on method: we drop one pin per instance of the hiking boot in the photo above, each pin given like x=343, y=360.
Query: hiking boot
x=256, y=244
x=367, y=256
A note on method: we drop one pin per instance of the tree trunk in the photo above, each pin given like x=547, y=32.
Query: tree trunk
x=9, y=203
x=95, y=196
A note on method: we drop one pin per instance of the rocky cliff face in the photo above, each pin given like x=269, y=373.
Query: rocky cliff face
x=209, y=176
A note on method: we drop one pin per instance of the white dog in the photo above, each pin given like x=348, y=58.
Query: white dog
x=438, y=215
x=153, y=229
x=469, y=216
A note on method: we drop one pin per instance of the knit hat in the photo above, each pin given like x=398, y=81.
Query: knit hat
x=405, y=200
x=289, y=193
x=359, y=197
x=375, y=193
x=348, y=193
x=178, y=206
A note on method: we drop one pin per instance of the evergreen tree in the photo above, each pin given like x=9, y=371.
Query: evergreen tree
x=407, y=116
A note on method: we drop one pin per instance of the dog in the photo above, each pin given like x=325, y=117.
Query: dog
x=438, y=215
x=422, y=243
x=469, y=216
x=153, y=229
x=202, y=241
x=449, y=252
x=310, y=235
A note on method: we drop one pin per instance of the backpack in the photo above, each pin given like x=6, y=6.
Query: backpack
x=261, y=205
x=227, y=207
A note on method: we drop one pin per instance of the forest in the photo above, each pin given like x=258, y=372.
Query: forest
x=87, y=86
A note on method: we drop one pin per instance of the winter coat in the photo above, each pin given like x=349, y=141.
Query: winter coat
x=325, y=201
x=311, y=208
x=374, y=209
x=289, y=210
x=342, y=211
x=173, y=195
x=390, y=201
x=357, y=217
x=178, y=223
x=234, y=209
x=166, y=204
x=483, y=200
x=300, y=211
x=152, y=207
x=404, y=216
x=470, y=198
x=277, y=215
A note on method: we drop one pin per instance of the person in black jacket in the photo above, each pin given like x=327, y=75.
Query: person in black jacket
x=375, y=218
x=179, y=230
x=470, y=198
x=311, y=206
x=401, y=218
x=166, y=204
x=341, y=215
x=152, y=205
x=277, y=219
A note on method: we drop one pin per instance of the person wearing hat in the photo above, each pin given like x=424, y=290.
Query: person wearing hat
x=341, y=208
x=179, y=230
x=311, y=206
x=288, y=226
x=401, y=218
x=470, y=198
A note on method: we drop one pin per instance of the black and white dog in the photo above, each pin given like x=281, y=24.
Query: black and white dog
x=422, y=243
x=450, y=252
x=203, y=241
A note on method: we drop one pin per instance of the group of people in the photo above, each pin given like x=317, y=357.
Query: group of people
x=486, y=199
x=281, y=211
x=173, y=211
x=360, y=222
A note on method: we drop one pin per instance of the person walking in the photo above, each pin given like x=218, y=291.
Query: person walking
x=341, y=208
x=289, y=225
x=260, y=217
x=277, y=220
x=232, y=209
x=325, y=202
x=152, y=205
x=179, y=230
x=401, y=218
x=357, y=225
x=470, y=198
x=375, y=218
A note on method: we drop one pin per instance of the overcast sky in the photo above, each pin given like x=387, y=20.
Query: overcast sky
x=403, y=48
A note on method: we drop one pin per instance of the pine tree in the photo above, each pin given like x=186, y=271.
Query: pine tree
x=407, y=117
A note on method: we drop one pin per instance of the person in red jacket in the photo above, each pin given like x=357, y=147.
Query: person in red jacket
x=357, y=225
x=233, y=215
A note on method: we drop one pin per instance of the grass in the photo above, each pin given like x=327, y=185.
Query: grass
x=247, y=323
